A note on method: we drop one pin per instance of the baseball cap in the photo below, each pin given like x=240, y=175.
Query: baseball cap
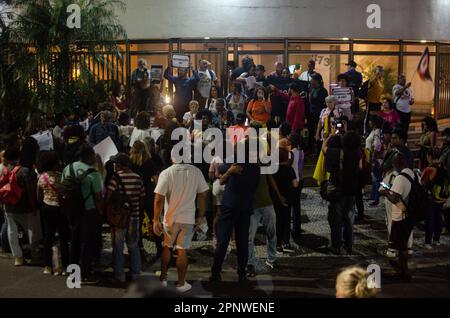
x=352, y=63
x=121, y=159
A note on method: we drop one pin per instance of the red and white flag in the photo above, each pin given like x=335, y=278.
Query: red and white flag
x=424, y=66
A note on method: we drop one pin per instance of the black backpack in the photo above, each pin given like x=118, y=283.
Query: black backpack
x=71, y=196
x=418, y=202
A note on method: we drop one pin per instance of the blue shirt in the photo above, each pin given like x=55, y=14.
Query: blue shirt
x=99, y=132
x=183, y=87
x=240, y=188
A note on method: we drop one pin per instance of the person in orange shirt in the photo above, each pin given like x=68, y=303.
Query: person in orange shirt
x=259, y=108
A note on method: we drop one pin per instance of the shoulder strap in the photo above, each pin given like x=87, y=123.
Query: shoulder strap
x=407, y=176
x=86, y=173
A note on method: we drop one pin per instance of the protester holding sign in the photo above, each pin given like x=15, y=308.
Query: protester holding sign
x=183, y=88
x=344, y=96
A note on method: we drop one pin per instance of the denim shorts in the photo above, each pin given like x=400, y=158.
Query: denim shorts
x=178, y=236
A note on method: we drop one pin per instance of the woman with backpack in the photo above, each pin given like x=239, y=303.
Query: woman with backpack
x=435, y=180
x=53, y=218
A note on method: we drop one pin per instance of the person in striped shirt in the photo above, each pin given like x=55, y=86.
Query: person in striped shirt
x=132, y=185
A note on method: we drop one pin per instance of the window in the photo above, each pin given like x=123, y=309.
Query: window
x=419, y=48
x=207, y=46
x=149, y=47
x=260, y=46
x=423, y=92
x=328, y=65
x=368, y=63
x=318, y=47
x=376, y=47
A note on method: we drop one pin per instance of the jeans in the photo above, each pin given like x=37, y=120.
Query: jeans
x=433, y=223
x=55, y=221
x=30, y=223
x=84, y=240
x=266, y=216
x=296, y=210
x=130, y=235
x=4, y=243
x=340, y=219
x=240, y=220
x=283, y=214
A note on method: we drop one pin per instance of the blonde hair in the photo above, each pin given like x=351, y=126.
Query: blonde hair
x=139, y=153
x=166, y=110
x=352, y=283
x=193, y=102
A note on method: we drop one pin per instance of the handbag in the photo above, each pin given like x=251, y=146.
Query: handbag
x=118, y=209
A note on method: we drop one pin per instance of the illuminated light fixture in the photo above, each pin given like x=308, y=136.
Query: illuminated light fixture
x=167, y=100
x=423, y=41
x=432, y=112
x=207, y=38
x=345, y=39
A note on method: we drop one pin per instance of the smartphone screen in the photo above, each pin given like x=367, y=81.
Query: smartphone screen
x=384, y=185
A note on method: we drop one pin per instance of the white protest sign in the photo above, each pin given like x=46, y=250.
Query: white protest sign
x=250, y=82
x=343, y=97
x=106, y=149
x=156, y=72
x=85, y=124
x=180, y=61
x=44, y=140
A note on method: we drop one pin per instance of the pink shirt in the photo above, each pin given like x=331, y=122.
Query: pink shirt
x=391, y=117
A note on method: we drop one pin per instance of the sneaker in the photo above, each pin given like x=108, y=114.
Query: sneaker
x=271, y=265
x=428, y=246
x=164, y=283
x=279, y=250
x=186, y=287
x=391, y=253
x=18, y=261
x=437, y=243
x=47, y=270
x=288, y=248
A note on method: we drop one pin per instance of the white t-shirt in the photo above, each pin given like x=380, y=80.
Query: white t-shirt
x=205, y=82
x=188, y=116
x=180, y=184
x=305, y=76
x=296, y=153
x=139, y=134
x=403, y=103
x=401, y=186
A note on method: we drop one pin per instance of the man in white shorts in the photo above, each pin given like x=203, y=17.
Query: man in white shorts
x=176, y=191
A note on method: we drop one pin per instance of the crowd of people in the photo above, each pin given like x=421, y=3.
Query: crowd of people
x=67, y=193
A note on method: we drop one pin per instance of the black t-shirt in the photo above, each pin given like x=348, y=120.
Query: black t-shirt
x=283, y=179
x=240, y=188
x=345, y=180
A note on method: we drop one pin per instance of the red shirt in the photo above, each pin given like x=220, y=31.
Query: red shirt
x=295, y=111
